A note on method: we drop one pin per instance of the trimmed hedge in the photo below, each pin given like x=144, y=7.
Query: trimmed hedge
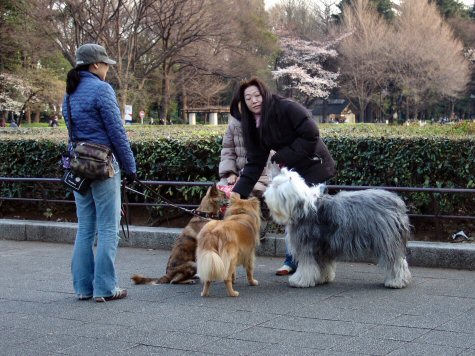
x=378, y=155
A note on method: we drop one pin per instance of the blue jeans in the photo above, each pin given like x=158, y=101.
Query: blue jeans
x=289, y=260
x=98, y=211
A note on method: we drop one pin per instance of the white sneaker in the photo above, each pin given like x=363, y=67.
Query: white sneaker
x=284, y=270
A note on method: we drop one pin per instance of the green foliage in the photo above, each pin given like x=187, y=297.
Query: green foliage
x=370, y=155
x=384, y=7
x=451, y=8
x=57, y=64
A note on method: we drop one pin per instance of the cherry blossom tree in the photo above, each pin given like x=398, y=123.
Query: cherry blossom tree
x=13, y=91
x=301, y=69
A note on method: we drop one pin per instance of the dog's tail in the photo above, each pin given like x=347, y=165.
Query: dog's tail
x=210, y=266
x=139, y=279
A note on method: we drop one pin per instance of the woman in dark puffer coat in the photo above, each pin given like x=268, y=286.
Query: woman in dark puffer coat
x=271, y=122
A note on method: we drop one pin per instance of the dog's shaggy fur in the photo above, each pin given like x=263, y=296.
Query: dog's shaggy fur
x=321, y=227
x=181, y=266
x=223, y=245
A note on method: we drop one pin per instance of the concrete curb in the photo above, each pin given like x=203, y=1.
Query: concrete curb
x=423, y=254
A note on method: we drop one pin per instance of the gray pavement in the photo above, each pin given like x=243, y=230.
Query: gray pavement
x=353, y=315
x=420, y=253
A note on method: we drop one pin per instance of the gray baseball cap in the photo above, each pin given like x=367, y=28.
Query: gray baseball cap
x=90, y=53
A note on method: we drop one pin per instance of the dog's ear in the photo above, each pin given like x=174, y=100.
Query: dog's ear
x=213, y=191
x=255, y=201
x=234, y=197
x=273, y=169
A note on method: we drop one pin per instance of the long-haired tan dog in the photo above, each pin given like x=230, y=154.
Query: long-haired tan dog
x=224, y=245
x=181, y=266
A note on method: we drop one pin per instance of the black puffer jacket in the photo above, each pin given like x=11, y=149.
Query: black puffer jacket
x=297, y=143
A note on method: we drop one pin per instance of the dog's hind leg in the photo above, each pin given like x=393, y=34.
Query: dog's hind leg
x=229, y=288
x=308, y=274
x=205, y=292
x=164, y=279
x=398, y=274
x=184, y=274
x=229, y=282
x=250, y=272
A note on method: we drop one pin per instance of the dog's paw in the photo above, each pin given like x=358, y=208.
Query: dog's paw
x=253, y=282
x=298, y=281
x=204, y=294
x=233, y=293
x=396, y=284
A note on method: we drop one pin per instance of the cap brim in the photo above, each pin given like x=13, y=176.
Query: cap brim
x=109, y=61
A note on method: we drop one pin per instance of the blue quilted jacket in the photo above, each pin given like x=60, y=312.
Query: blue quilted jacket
x=96, y=118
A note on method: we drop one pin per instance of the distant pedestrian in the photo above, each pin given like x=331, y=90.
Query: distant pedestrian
x=54, y=121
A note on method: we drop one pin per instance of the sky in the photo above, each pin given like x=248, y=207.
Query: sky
x=270, y=3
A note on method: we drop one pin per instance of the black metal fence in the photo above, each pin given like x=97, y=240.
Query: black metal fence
x=42, y=185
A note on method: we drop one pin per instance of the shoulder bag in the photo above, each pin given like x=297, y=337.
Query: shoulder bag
x=89, y=160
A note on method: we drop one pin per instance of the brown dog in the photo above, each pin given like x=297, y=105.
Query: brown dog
x=223, y=245
x=181, y=266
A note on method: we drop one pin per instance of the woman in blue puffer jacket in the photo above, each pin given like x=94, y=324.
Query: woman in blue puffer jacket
x=96, y=118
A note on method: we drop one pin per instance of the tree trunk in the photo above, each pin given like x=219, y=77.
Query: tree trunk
x=416, y=107
x=184, y=103
x=122, y=102
x=37, y=117
x=369, y=111
x=362, y=105
x=28, y=116
x=324, y=110
x=165, y=93
x=452, y=108
x=361, y=118
x=407, y=109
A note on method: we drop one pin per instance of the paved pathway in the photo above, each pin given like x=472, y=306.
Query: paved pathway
x=353, y=315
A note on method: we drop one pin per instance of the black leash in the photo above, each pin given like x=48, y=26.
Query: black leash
x=161, y=199
x=124, y=211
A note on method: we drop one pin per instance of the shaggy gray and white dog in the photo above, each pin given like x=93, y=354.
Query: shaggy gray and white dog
x=321, y=227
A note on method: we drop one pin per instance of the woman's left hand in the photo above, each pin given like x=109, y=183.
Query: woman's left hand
x=232, y=179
